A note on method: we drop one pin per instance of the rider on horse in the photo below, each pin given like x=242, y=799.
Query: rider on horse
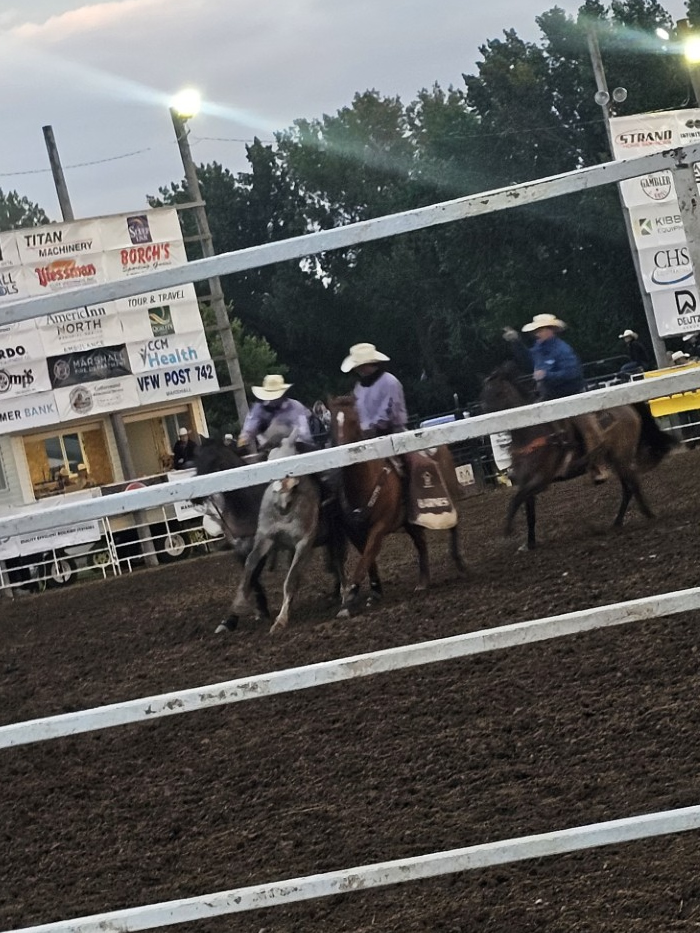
x=558, y=372
x=381, y=408
x=379, y=397
x=275, y=415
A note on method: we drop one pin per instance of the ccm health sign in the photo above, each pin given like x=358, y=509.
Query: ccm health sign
x=163, y=385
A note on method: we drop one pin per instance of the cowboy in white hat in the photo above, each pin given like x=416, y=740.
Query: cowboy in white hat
x=379, y=395
x=638, y=356
x=679, y=358
x=275, y=415
x=558, y=372
x=184, y=450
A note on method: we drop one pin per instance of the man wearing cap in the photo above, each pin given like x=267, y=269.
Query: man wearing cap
x=638, y=356
x=379, y=395
x=184, y=450
x=83, y=481
x=558, y=372
x=275, y=414
x=228, y=440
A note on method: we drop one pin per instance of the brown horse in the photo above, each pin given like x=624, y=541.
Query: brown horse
x=633, y=444
x=374, y=502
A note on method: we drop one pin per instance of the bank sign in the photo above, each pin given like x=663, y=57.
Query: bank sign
x=88, y=360
x=655, y=218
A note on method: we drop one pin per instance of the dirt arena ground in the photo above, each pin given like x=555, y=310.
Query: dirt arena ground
x=526, y=740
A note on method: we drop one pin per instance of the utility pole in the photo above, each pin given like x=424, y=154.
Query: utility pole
x=684, y=32
x=603, y=98
x=223, y=325
x=125, y=459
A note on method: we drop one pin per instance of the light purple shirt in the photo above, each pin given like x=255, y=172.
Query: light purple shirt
x=383, y=401
x=289, y=415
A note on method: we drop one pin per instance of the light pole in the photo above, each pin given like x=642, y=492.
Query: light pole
x=602, y=98
x=183, y=107
x=691, y=54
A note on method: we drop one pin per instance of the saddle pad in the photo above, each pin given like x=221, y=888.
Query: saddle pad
x=429, y=502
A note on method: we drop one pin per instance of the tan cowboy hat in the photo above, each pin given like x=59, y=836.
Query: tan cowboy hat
x=543, y=320
x=273, y=387
x=628, y=333
x=360, y=354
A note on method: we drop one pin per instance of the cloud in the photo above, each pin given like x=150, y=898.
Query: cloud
x=85, y=19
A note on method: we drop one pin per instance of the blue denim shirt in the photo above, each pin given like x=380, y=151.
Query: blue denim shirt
x=561, y=366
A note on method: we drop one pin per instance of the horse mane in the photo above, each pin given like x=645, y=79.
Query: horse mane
x=213, y=455
x=510, y=379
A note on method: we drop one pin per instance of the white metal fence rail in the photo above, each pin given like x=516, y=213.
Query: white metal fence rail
x=363, y=665
x=380, y=874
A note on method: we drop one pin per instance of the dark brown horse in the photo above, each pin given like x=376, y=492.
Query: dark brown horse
x=374, y=502
x=633, y=444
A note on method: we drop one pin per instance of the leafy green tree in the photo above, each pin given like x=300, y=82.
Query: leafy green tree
x=17, y=211
x=256, y=358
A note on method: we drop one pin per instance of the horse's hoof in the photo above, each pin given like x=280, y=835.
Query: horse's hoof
x=421, y=588
x=344, y=613
x=278, y=627
x=228, y=625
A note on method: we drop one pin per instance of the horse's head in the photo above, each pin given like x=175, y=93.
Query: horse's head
x=506, y=388
x=213, y=456
x=345, y=423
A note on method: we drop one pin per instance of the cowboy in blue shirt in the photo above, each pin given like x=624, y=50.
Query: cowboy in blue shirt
x=558, y=372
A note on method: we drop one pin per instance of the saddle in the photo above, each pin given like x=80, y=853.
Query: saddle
x=430, y=504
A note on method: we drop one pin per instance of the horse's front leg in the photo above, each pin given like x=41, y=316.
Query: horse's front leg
x=251, y=579
x=302, y=553
x=368, y=558
x=417, y=535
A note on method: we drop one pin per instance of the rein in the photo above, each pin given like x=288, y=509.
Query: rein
x=386, y=469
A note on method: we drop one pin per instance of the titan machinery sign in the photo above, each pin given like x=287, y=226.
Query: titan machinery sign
x=657, y=228
x=104, y=358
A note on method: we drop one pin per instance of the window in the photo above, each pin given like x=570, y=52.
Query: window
x=53, y=461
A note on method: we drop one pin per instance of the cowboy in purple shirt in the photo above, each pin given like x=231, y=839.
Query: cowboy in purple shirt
x=275, y=415
x=379, y=396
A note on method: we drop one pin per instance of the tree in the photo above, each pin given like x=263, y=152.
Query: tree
x=17, y=211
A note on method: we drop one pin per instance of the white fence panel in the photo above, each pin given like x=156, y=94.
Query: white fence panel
x=362, y=665
x=380, y=874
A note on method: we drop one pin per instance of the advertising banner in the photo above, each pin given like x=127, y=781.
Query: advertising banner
x=18, y=345
x=39, y=246
x=161, y=321
x=136, y=229
x=81, y=329
x=676, y=310
x=665, y=268
x=96, y=398
x=160, y=352
x=55, y=275
x=13, y=284
x=658, y=225
x=86, y=354
x=164, y=385
x=22, y=378
x=135, y=260
x=178, y=295
x=35, y=411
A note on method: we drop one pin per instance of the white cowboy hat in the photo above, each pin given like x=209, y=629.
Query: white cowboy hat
x=543, y=320
x=679, y=355
x=690, y=336
x=228, y=437
x=628, y=333
x=360, y=354
x=273, y=387
x=182, y=432
x=81, y=466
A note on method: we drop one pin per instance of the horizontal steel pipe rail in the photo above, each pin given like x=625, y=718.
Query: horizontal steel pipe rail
x=380, y=874
x=365, y=231
x=317, y=461
x=363, y=665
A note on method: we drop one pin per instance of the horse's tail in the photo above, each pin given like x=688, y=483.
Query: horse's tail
x=654, y=444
